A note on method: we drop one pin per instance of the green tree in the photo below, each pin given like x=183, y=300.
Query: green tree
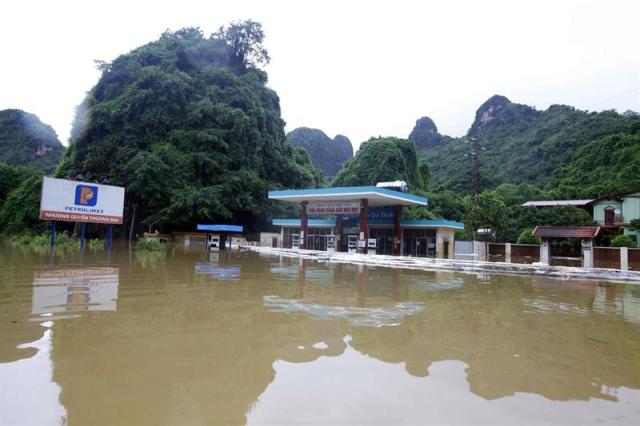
x=634, y=225
x=488, y=211
x=522, y=218
x=245, y=41
x=623, y=241
x=10, y=179
x=382, y=160
x=526, y=237
x=189, y=127
x=20, y=211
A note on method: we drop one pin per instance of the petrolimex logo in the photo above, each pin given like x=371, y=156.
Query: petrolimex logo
x=86, y=195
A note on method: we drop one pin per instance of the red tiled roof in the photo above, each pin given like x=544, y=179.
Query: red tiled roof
x=553, y=203
x=566, y=231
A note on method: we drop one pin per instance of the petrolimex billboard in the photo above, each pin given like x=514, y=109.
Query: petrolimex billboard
x=70, y=201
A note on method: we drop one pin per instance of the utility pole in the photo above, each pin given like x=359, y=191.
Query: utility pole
x=474, y=153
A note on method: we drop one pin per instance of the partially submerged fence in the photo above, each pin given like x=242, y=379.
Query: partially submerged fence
x=633, y=258
x=525, y=253
x=606, y=257
x=513, y=253
x=603, y=257
x=497, y=252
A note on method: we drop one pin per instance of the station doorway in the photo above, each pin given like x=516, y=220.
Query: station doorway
x=420, y=243
x=317, y=238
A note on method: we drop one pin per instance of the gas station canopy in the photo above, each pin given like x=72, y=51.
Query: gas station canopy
x=220, y=228
x=376, y=197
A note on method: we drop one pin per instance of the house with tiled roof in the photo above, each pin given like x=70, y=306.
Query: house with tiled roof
x=611, y=212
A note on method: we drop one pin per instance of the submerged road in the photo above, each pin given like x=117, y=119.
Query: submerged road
x=470, y=266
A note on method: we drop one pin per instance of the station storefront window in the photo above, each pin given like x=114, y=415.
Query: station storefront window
x=317, y=238
x=384, y=240
x=419, y=242
x=287, y=237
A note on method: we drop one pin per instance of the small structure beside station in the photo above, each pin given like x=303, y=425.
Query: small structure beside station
x=361, y=219
x=612, y=212
x=217, y=235
x=213, y=236
x=585, y=234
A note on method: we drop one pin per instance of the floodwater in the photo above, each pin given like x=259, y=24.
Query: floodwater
x=242, y=338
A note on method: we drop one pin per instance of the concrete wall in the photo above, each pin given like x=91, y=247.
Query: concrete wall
x=189, y=238
x=442, y=235
x=266, y=239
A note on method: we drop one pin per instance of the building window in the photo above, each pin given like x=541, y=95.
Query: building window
x=420, y=242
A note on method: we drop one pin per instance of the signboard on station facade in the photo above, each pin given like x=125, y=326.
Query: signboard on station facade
x=71, y=201
x=332, y=208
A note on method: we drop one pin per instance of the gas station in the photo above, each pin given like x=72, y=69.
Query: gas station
x=363, y=219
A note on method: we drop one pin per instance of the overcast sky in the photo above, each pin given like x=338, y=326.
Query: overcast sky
x=359, y=68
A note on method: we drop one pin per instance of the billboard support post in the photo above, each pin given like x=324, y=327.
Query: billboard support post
x=82, y=235
x=109, y=236
x=53, y=234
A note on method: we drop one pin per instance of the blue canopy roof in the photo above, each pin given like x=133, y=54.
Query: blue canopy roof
x=376, y=196
x=311, y=222
x=434, y=223
x=220, y=228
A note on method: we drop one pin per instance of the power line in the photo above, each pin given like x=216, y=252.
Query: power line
x=620, y=95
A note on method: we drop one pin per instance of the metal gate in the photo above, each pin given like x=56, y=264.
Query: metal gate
x=463, y=250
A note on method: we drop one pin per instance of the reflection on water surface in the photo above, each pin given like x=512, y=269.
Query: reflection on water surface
x=244, y=338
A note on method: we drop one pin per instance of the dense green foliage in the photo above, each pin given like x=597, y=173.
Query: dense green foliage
x=623, y=241
x=488, y=211
x=19, y=213
x=148, y=244
x=64, y=242
x=529, y=155
x=608, y=165
x=528, y=217
x=563, y=150
x=634, y=225
x=499, y=210
x=383, y=160
x=25, y=140
x=526, y=237
x=10, y=178
x=188, y=125
x=329, y=155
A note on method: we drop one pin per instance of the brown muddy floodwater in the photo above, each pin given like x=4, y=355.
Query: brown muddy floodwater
x=242, y=338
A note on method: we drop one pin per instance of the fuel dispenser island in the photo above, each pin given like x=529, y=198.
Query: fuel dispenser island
x=352, y=243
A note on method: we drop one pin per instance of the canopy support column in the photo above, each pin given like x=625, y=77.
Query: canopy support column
x=340, y=229
x=304, y=224
x=397, y=231
x=364, y=225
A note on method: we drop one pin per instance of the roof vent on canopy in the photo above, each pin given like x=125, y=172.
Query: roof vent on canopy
x=396, y=185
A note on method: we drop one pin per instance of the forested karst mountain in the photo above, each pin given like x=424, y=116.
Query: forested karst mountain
x=545, y=148
x=188, y=125
x=383, y=160
x=329, y=155
x=425, y=135
x=27, y=141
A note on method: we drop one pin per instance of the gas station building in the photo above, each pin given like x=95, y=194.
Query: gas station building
x=363, y=219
